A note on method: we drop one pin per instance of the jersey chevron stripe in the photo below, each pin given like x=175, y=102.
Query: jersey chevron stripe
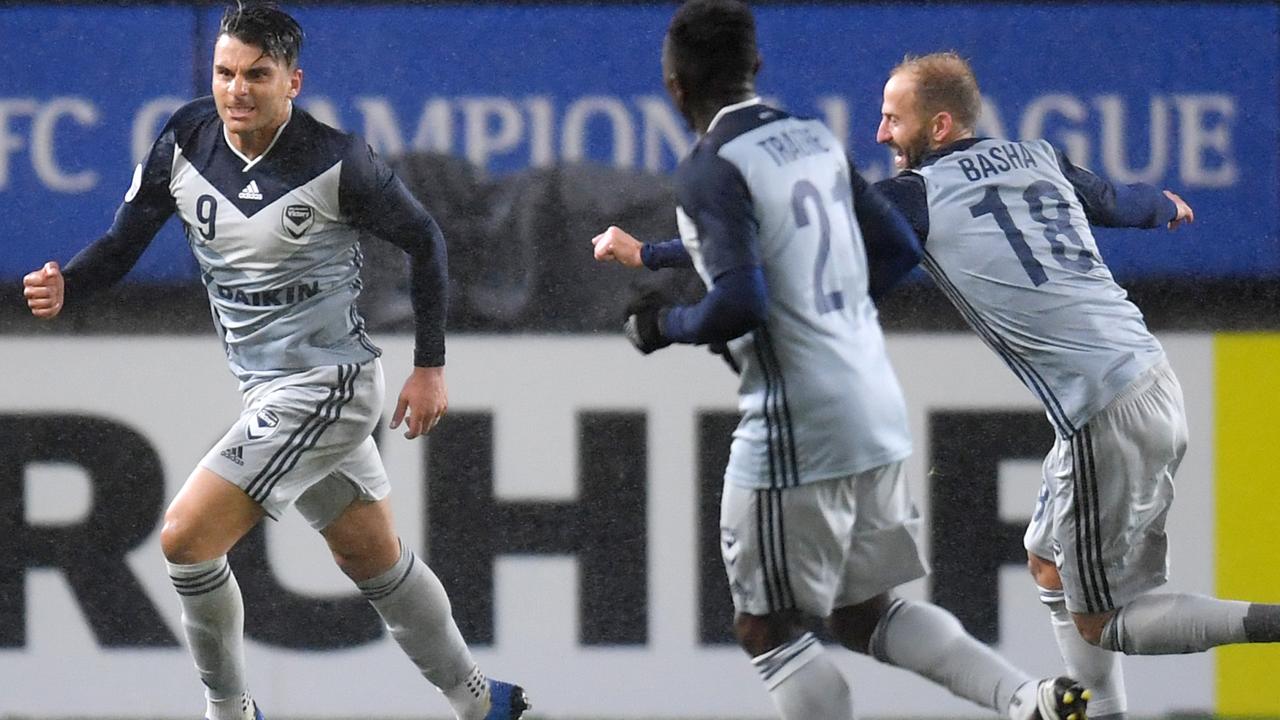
x=332, y=414
x=1020, y=366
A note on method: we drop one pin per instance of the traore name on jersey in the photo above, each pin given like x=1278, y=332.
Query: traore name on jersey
x=817, y=395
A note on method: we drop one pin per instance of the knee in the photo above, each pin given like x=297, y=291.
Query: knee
x=758, y=634
x=1043, y=572
x=854, y=625
x=1091, y=626
x=179, y=540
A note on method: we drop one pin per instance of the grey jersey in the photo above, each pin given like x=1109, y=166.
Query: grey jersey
x=1009, y=243
x=276, y=238
x=817, y=394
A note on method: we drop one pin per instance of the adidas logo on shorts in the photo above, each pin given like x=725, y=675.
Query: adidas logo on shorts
x=235, y=455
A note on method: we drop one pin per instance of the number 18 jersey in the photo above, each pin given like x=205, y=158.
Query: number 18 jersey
x=1010, y=245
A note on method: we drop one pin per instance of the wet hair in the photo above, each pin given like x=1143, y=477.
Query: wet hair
x=944, y=83
x=713, y=47
x=264, y=25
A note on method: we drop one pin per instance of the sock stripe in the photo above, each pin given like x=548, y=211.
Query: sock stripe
x=381, y=591
x=776, y=659
x=203, y=583
x=876, y=645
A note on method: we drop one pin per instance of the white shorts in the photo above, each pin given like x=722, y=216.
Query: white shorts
x=1107, y=491
x=820, y=546
x=306, y=439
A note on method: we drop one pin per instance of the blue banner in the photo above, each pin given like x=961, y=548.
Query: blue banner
x=1186, y=100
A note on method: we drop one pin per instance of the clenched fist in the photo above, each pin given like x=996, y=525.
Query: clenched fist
x=44, y=291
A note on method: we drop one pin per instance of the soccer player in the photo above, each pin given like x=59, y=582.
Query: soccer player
x=1006, y=232
x=815, y=516
x=273, y=202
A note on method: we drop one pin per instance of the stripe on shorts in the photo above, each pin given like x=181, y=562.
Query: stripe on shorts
x=773, y=550
x=1086, y=510
x=306, y=435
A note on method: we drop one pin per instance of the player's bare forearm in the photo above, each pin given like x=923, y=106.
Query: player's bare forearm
x=424, y=399
x=619, y=246
x=45, y=291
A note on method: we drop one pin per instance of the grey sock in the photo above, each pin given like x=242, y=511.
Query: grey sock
x=1097, y=669
x=213, y=621
x=803, y=682
x=416, y=610
x=1174, y=623
x=931, y=642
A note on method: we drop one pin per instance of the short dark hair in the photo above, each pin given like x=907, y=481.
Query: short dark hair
x=713, y=46
x=264, y=25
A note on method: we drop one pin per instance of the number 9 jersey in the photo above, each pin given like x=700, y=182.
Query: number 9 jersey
x=817, y=395
x=1008, y=240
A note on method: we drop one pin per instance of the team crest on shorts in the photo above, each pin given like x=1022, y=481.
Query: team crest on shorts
x=298, y=219
x=262, y=424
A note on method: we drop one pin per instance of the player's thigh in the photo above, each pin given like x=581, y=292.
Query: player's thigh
x=1117, y=487
x=884, y=548
x=296, y=431
x=782, y=548
x=206, y=518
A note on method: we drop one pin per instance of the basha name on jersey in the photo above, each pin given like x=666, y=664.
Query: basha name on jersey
x=980, y=165
x=263, y=298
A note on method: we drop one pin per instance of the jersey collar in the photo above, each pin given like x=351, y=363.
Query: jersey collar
x=250, y=163
x=936, y=155
x=733, y=108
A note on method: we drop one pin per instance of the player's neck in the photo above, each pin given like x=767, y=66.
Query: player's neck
x=253, y=145
x=706, y=113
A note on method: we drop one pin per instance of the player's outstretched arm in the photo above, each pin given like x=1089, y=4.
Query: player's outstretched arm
x=1185, y=213
x=44, y=290
x=617, y=245
x=424, y=399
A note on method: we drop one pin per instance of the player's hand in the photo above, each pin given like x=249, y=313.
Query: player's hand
x=1185, y=213
x=423, y=401
x=44, y=290
x=617, y=245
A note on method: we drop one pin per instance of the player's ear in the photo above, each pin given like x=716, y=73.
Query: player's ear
x=295, y=83
x=940, y=127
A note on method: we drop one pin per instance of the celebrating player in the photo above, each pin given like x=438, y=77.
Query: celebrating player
x=815, y=517
x=1006, y=237
x=273, y=202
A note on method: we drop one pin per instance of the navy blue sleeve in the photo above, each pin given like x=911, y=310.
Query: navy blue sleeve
x=892, y=246
x=666, y=254
x=906, y=193
x=1138, y=205
x=375, y=200
x=146, y=207
x=735, y=305
x=714, y=195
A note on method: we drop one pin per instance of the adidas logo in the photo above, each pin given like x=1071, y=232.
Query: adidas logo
x=235, y=455
x=251, y=191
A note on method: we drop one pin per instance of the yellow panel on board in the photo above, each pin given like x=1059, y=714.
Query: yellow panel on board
x=1247, y=408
